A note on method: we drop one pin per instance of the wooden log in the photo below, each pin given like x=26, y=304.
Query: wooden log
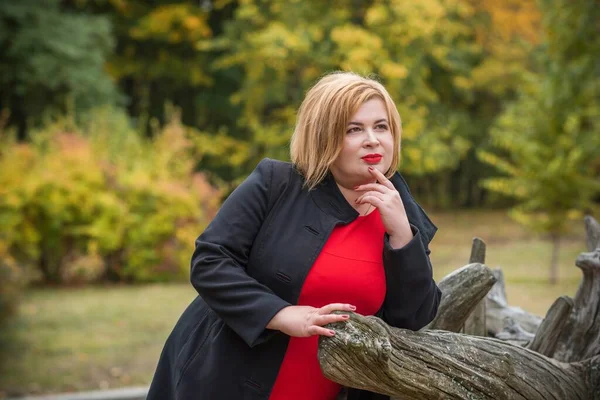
x=514, y=333
x=461, y=291
x=592, y=233
x=477, y=251
x=497, y=309
x=551, y=327
x=366, y=353
x=580, y=337
x=476, y=323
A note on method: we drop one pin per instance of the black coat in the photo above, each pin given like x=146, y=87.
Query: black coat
x=251, y=261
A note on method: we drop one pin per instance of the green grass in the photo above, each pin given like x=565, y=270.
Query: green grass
x=523, y=257
x=106, y=337
x=77, y=339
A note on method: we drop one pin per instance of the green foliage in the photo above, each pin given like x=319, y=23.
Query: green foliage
x=421, y=52
x=79, y=204
x=548, y=140
x=52, y=59
x=11, y=284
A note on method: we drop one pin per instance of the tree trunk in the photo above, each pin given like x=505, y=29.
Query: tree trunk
x=592, y=230
x=461, y=291
x=476, y=321
x=366, y=353
x=550, y=329
x=497, y=310
x=554, y=260
x=580, y=337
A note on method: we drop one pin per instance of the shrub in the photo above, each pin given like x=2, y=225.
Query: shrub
x=11, y=283
x=99, y=199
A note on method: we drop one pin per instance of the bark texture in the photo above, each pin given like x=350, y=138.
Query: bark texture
x=497, y=310
x=461, y=291
x=547, y=335
x=476, y=321
x=366, y=353
x=580, y=337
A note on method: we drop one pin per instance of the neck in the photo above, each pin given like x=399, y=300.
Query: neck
x=351, y=195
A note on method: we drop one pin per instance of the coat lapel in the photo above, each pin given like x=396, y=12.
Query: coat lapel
x=330, y=200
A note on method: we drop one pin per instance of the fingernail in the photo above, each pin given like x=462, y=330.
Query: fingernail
x=356, y=187
x=352, y=308
x=345, y=316
x=370, y=168
x=331, y=333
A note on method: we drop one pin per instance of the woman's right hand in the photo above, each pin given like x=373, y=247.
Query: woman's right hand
x=304, y=321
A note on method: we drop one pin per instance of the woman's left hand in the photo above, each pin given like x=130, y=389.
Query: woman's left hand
x=386, y=198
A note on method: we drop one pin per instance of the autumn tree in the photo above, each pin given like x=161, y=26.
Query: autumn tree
x=547, y=140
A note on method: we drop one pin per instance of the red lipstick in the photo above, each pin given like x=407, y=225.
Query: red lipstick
x=372, y=158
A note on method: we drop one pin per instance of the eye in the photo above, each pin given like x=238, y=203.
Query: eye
x=382, y=127
x=354, y=129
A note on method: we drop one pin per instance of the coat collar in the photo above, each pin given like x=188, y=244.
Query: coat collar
x=330, y=200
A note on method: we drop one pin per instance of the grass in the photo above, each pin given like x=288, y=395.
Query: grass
x=106, y=337
x=524, y=258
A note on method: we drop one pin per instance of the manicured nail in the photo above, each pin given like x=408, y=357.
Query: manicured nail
x=353, y=308
x=356, y=187
x=370, y=168
x=345, y=316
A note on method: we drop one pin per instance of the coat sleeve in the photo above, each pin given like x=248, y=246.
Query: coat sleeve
x=412, y=296
x=218, y=267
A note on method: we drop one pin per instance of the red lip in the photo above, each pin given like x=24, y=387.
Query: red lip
x=372, y=158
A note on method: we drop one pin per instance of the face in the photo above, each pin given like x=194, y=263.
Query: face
x=368, y=142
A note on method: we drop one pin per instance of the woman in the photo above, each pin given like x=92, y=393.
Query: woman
x=337, y=229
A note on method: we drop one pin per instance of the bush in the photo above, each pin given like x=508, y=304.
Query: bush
x=100, y=200
x=11, y=283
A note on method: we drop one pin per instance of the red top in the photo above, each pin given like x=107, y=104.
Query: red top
x=349, y=269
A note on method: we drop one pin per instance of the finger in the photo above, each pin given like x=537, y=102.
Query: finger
x=375, y=201
x=361, y=198
x=381, y=178
x=322, y=320
x=329, y=308
x=372, y=186
x=319, y=330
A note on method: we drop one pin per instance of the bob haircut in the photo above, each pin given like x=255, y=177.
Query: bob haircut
x=323, y=118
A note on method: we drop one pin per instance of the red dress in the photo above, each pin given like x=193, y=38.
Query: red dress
x=349, y=269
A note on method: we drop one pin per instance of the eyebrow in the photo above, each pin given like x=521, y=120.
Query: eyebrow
x=361, y=124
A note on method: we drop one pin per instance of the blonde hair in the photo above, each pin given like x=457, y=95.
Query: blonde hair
x=323, y=118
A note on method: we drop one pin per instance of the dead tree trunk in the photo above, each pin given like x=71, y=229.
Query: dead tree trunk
x=367, y=354
x=497, y=310
x=579, y=337
x=476, y=323
x=461, y=291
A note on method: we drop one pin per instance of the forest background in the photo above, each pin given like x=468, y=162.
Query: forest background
x=124, y=124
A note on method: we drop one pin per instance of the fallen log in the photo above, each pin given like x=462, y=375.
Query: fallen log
x=461, y=290
x=549, y=331
x=497, y=310
x=514, y=333
x=431, y=364
x=366, y=353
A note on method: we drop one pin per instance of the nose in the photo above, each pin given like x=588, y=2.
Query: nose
x=371, y=138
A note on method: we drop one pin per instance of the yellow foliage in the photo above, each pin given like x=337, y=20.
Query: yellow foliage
x=104, y=199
